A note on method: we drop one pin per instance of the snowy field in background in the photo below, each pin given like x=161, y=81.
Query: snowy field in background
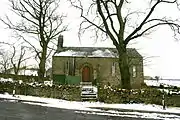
x=47, y=83
x=150, y=111
x=164, y=82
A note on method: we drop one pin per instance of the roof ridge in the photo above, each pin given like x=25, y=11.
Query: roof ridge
x=94, y=47
x=93, y=52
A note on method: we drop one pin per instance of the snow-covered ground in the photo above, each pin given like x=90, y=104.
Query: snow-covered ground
x=131, y=110
x=140, y=110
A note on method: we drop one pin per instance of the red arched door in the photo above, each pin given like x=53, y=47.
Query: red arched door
x=86, y=74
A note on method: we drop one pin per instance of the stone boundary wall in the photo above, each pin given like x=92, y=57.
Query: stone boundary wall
x=59, y=92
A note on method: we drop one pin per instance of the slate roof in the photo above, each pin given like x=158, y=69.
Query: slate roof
x=94, y=52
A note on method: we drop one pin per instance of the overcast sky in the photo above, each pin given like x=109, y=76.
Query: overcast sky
x=160, y=46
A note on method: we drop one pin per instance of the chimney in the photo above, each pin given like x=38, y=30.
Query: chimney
x=60, y=43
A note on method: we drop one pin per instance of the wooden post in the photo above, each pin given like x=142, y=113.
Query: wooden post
x=14, y=91
x=163, y=101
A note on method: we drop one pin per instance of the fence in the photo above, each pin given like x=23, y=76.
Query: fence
x=66, y=80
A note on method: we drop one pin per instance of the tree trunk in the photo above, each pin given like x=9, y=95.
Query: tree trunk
x=41, y=71
x=16, y=72
x=124, y=69
x=15, y=69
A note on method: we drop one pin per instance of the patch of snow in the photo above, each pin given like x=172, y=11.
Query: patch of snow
x=165, y=83
x=6, y=80
x=34, y=84
x=174, y=92
x=50, y=83
x=164, y=90
x=70, y=53
x=8, y=96
x=133, y=114
x=100, y=53
x=97, y=53
x=20, y=82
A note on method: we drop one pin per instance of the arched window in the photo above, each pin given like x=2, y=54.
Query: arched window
x=134, y=71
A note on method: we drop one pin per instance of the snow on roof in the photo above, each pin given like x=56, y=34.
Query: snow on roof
x=105, y=53
x=94, y=52
x=97, y=53
x=70, y=53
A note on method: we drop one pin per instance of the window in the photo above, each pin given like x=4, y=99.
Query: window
x=113, y=68
x=134, y=71
x=67, y=67
x=95, y=74
x=64, y=67
x=70, y=67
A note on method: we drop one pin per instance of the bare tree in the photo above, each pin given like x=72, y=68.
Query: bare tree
x=12, y=59
x=41, y=20
x=4, y=62
x=17, y=60
x=111, y=17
